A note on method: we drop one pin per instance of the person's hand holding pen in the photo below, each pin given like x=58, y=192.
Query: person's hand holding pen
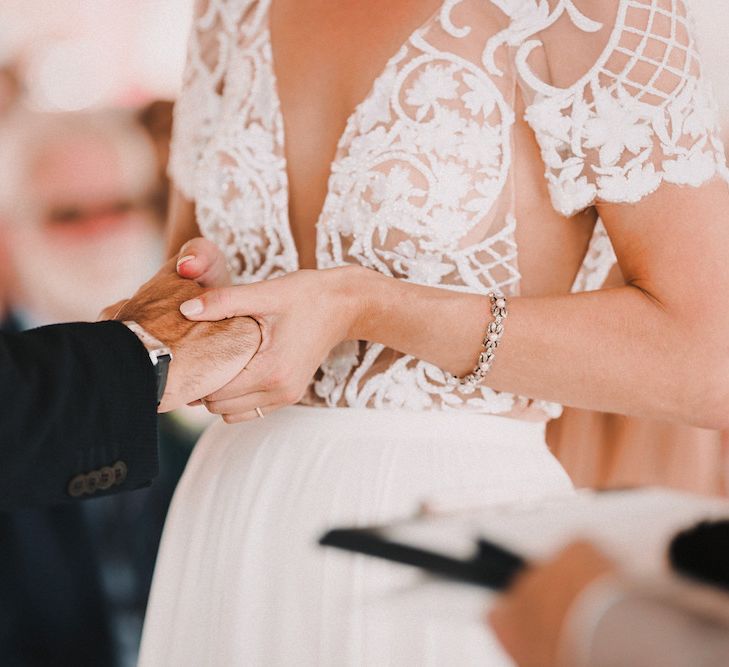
x=529, y=619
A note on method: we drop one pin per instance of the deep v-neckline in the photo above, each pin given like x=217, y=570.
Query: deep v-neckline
x=340, y=145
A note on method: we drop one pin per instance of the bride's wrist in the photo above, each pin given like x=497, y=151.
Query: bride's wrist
x=356, y=290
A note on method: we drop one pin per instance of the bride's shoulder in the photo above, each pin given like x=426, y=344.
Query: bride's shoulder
x=631, y=25
x=644, y=50
x=617, y=99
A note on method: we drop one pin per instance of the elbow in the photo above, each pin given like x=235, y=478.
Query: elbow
x=704, y=397
x=695, y=356
x=715, y=418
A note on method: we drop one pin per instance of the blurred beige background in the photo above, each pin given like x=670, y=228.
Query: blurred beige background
x=81, y=54
x=712, y=19
x=131, y=49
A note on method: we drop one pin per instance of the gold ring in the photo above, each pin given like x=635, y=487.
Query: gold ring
x=259, y=412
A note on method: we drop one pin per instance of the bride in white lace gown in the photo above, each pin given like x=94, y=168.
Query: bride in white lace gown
x=443, y=118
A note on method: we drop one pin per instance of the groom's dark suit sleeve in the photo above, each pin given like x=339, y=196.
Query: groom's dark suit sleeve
x=78, y=414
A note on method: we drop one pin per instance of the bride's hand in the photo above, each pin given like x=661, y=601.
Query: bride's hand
x=204, y=262
x=302, y=316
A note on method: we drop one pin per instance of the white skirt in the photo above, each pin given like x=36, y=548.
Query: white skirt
x=240, y=579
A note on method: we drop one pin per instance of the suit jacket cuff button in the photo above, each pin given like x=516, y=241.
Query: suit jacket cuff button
x=106, y=478
x=120, y=473
x=93, y=479
x=77, y=486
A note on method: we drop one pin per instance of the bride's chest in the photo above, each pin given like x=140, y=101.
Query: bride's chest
x=413, y=153
x=327, y=54
x=325, y=57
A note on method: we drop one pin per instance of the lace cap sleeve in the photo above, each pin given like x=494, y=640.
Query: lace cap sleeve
x=617, y=100
x=198, y=104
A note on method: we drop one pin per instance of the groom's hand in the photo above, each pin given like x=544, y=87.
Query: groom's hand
x=206, y=355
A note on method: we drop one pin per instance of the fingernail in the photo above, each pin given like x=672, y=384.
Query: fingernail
x=191, y=308
x=184, y=259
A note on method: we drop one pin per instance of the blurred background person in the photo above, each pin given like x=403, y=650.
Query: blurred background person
x=10, y=94
x=10, y=88
x=84, y=136
x=6, y=281
x=82, y=202
x=78, y=234
x=156, y=119
x=77, y=190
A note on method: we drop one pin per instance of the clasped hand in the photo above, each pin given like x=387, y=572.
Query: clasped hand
x=206, y=355
x=302, y=316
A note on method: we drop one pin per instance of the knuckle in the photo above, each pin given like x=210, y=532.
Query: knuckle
x=227, y=301
x=212, y=398
x=212, y=299
x=201, y=243
x=221, y=300
x=195, y=244
x=185, y=247
x=222, y=394
x=212, y=252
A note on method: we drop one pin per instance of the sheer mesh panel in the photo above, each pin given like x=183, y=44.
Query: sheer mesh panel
x=641, y=115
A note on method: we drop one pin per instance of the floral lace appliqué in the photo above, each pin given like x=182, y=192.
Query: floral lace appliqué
x=421, y=186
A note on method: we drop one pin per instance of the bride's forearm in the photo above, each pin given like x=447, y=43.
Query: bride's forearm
x=433, y=324
x=614, y=350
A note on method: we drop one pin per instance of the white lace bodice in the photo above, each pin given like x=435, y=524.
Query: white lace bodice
x=422, y=186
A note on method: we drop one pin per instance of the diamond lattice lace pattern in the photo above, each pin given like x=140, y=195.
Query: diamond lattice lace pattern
x=641, y=115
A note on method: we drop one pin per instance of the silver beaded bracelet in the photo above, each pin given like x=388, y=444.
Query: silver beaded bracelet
x=494, y=332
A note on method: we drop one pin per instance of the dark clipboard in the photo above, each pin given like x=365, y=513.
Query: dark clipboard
x=491, y=565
